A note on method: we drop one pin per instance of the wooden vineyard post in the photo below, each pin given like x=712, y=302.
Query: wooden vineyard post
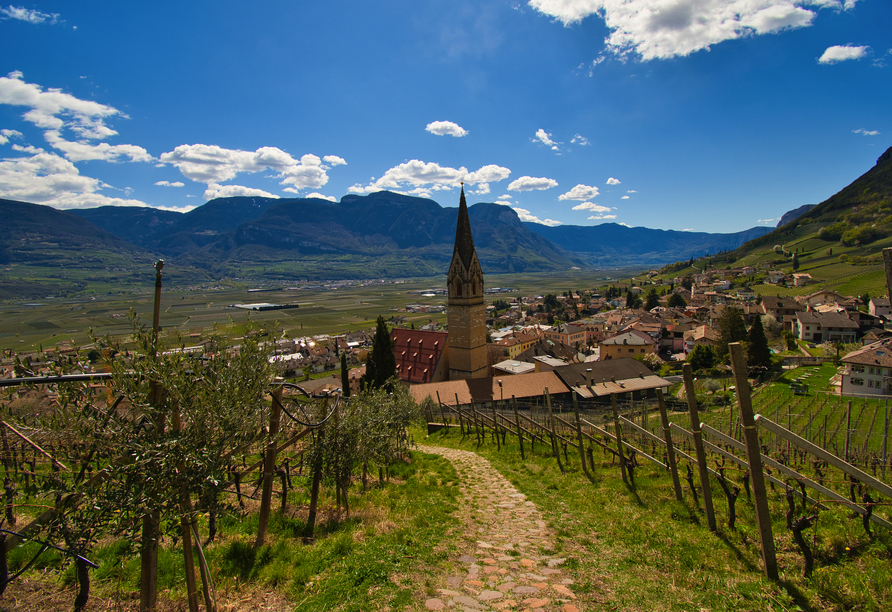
x=442, y=414
x=579, y=438
x=151, y=522
x=519, y=430
x=317, y=480
x=751, y=439
x=550, y=423
x=670, y=450
x=848, y=430
x=186, y=531
x=698, y=446
x=269, y=465
x=618, y=430
x=495, y=426
x=885, y=437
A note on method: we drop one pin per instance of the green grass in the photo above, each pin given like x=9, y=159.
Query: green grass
x=381, y=556
x=637, y=548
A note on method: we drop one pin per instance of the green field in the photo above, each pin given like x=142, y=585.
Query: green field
x=30, y=324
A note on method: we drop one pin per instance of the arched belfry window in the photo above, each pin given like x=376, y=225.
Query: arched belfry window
x=458, y=288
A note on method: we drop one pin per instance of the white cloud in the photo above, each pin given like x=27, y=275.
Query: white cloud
x=504, y=196
x=29, y=15
x=53, y=111
x=582, y=141
x=841, y=53
x=545, y=138
x=320, y=196
x=631, y=191
x=580, y=192
x=82, y=151
x=169, y=184
x=482, y=189
x=421, y=178
x=660, y=29
x=334, y=160
x=211, y=164
x=84, y=117
x=446, y=128
x=866, y=132
x=531, y=183
x=612, y=181
x=603, y=218
x=592, y=207
x=625, y=197
x=5, y=135
x=525, y=215
x=765, y=221
x=47, y=178
x=227, y=191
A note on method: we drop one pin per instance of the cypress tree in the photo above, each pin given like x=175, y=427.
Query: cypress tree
x=757, y=351
x=345, y=376
x=731, y=329
x=381, y=364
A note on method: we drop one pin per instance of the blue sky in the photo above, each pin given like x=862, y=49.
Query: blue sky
x=707, y=115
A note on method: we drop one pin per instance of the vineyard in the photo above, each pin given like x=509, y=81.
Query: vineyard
x=767, y=488
x=166, y=449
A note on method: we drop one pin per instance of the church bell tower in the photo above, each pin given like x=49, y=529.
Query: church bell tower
x=467, y=310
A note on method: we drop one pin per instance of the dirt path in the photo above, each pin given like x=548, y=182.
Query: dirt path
x=505, y=561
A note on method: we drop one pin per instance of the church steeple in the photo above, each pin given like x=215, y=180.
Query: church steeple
x=467, y=310
x=464, y=241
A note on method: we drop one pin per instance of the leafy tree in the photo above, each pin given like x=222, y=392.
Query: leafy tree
x=551, y=301
x=731, y=329
x=757, y=351
x=633, y=300
x=795, y=262
x=703, y=357
x=381, y=365
x=653, y=300
x=676, y=301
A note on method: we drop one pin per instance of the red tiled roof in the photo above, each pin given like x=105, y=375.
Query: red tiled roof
x=417, y=353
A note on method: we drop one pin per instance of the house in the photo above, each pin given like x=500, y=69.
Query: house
x=488, y=390
x=820, y=327
x=800, y=279
x=627, y=344
x=880, y=307
x=868, y=371
x=421, y=356
x=783, y=309
x=774, y=276
x=509, y=367
x=703, y=335
x=825, y=296
x=613, y=377
x=567, y=334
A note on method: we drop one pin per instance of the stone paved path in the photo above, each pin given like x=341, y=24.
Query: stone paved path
x=505, y=562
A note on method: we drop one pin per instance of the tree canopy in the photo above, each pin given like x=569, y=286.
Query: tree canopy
x=381, y=364
x=731, y=329
x=757, y=351
x=676, y=301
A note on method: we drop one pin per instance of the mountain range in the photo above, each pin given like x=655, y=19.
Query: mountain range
x=383, y=234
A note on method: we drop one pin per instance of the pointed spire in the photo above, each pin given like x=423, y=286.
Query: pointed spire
x=464, y=242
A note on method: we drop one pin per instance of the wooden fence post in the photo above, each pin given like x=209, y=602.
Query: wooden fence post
x=617, y=428
x=751, y=437
x=269, y=464
x=579, y=437
x=519, y=430
x=670, y=450
x=317, y=481
x=698, y=446
x=848, y=429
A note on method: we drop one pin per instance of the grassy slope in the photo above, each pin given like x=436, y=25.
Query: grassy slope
x=639, y=549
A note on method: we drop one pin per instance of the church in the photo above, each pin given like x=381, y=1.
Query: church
x=425, y=357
